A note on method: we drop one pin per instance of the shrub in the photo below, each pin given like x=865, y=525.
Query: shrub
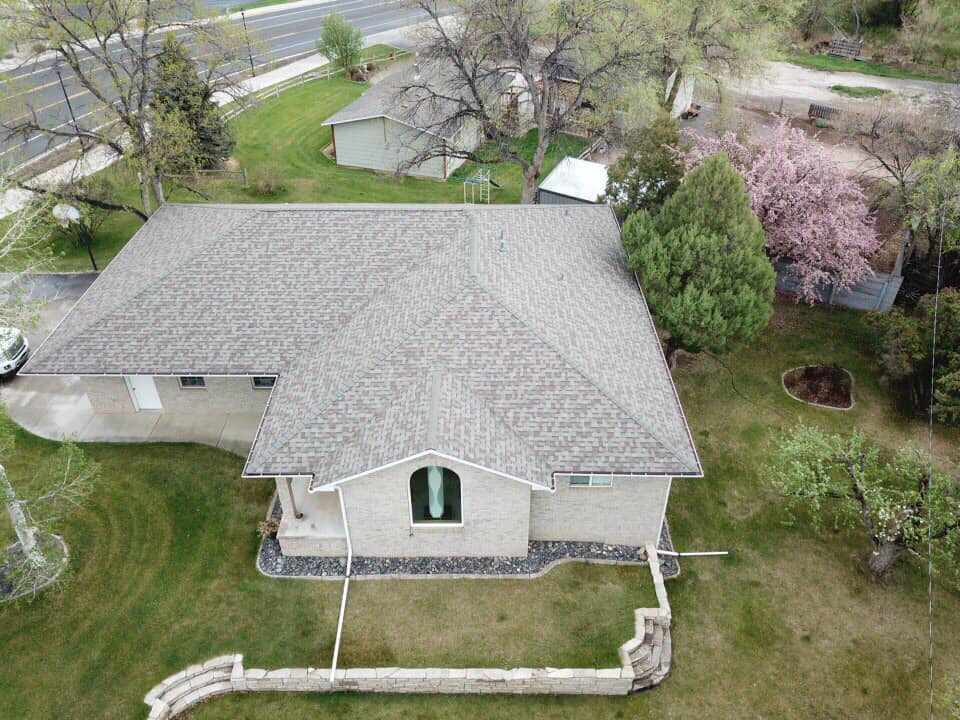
x=267, y=181
x=268, y=528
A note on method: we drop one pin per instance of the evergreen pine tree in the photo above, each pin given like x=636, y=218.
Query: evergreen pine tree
x=182, y=97
x=701, y=262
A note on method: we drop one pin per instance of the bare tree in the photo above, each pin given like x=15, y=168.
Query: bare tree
x=493, y=48
x=895, y=137
x=61, y=485
x=111, y=48
x=24, y=249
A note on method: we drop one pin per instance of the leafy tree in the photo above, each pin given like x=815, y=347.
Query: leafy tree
x=649, y=171
x=701, y=263
x=931, y=26
x=710, y=38
x=890, y=500
x=61, y=484
x=934, y=201
x=179, y=90
x=111, y=50
x=905, y=344
x=814, y=214
x=341, y=42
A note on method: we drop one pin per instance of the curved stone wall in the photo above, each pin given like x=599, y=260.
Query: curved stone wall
x=645, y=662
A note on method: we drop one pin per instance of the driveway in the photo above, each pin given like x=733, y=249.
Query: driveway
x=798, y=86
x=57, y=406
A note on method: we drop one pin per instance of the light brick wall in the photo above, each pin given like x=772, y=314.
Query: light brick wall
x=496, y=515
x=628, y=513
x=221, y=395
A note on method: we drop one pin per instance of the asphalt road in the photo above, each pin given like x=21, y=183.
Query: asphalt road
x=276, y=34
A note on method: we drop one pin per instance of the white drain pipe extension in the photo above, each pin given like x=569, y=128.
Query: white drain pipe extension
x=708, y=553
x=346, y=587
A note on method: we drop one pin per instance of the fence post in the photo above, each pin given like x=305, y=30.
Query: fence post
x=244, y=171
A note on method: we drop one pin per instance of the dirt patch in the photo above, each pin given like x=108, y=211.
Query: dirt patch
x=825, y=385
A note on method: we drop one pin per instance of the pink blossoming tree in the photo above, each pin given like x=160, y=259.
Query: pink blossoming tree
x=813, y=213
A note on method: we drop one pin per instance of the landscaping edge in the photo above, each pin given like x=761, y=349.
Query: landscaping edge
x=645, y=662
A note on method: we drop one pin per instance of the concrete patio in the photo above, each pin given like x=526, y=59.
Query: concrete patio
x=56, y=407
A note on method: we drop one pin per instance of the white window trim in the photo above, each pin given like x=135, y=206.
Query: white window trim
x=439, y=525
x=191, y=387
x=590, y=483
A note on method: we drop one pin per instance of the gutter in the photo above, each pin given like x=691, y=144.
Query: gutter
x=346, y=588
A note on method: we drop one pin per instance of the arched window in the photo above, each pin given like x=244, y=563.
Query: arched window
x=435, y=496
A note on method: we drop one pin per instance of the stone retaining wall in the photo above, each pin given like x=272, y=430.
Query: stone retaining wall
x=645, y=662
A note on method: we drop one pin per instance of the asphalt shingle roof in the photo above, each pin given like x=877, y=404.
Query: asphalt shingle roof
x=403, y=97
x=513, y=337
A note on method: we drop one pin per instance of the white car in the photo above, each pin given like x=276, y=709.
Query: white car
x=14, y=351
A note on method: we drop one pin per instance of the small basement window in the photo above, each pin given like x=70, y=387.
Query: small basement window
x=192, y=381
x=591, y=480
x=263, y=381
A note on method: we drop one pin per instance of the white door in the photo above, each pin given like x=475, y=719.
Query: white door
x=143, y=392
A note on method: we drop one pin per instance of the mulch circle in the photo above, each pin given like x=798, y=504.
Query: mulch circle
x=829, y=386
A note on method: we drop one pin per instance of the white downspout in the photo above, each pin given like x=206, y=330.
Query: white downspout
x=346, y=586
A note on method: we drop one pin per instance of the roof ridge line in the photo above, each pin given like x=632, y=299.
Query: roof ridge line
x=269, y=451
x=434, y=378
x=602, y=390
x=484, y=407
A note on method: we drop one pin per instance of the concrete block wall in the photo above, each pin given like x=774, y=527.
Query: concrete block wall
x=645, y=659
x=221, y=395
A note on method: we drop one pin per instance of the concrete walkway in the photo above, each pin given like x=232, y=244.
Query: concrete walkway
x=57, y=406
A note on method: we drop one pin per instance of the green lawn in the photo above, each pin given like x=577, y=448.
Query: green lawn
x=286, y=133
x=836, y=64
x=163, y=576
x=859, y=91
x=790, y=626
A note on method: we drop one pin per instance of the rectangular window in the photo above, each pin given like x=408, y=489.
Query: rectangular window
x=591, y=480
x=192, y=381
x=263, y=381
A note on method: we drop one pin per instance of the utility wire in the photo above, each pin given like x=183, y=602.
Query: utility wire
x=929, y=499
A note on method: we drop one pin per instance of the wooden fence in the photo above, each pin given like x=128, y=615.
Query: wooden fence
x=274, y=91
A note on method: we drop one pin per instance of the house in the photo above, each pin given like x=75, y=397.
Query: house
x=435, y=380
x=573, y=181
x=388, y=126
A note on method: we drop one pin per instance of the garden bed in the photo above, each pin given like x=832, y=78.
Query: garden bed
x=828, y=386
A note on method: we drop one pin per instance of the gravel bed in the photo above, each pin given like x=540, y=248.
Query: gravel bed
x=540, y=554
x=669, y=565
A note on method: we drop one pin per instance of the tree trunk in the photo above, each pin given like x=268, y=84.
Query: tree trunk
x=158, y=190
x=883, y=558
x=531, y=174
x=670, y=353
x=25, y=534
x=145, y=196
x=528, y=194
x=674, y=91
